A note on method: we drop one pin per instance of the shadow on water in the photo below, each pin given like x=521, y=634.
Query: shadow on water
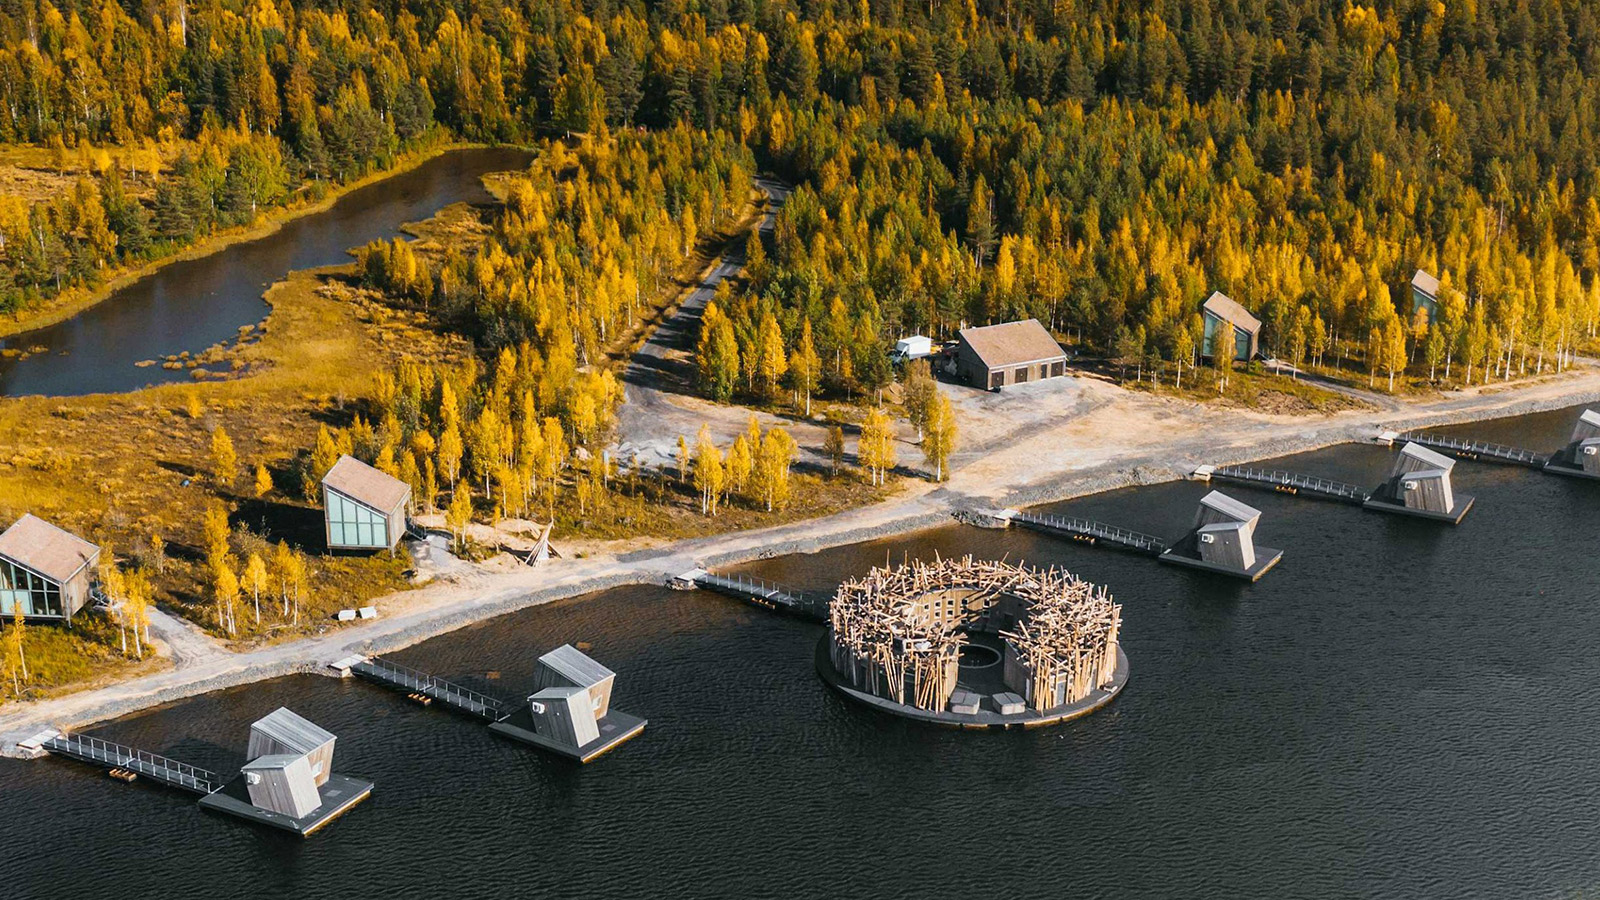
x=1399, y=709
x=192, y=304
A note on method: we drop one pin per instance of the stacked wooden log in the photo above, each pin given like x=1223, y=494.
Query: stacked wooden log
x=897, y=632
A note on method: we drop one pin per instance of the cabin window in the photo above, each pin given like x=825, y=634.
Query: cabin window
x=1022, y=375
x=1057, y=369
x=34, y=594
x=997, y=380
x=352, y=525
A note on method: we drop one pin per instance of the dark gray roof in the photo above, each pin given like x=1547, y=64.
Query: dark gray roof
x=364, y=484
x=46, y=549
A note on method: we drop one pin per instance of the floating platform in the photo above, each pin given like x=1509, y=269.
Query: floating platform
x=988, y=712
x=1389, y=505
x=1184, y=554
x=1289, y=483
x=760, y=592
x=339, y=794
x=1562, y=464
x=616, y=728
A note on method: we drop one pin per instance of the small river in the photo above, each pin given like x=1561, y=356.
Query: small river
x=1399, y=709
x=190, y=305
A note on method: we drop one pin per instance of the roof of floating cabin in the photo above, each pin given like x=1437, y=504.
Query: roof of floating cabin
x=272, y=761
x=1012, y=343
x=1426, y=283
x=575, y=666
x=364, y=484
x=1227, y=309
x=292, y=730
x=46, y=549
x=1228, y=506
x=1430, y=458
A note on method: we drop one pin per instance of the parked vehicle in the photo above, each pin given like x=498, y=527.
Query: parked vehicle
x=914, y=347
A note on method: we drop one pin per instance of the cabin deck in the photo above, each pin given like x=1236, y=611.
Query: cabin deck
x=616, y=728
x=339, y=794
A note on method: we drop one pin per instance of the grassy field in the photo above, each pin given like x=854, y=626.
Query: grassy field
x=125, y=469
x=1275, y=394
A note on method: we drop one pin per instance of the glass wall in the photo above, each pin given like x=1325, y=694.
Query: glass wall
x=37, y=595
x=352, y=525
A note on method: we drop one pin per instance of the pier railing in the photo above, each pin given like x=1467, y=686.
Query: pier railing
x=1479, y=450
x=770, y=594
x=151, y=765
x=1275, y=478
x=446, y=692
x=1093, y=532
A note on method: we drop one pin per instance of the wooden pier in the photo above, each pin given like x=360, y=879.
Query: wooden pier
x=1090, y=532
x=115, y=757
x=1479, y=451
x=420, y=684
x=763, y=593
x=1292, y=483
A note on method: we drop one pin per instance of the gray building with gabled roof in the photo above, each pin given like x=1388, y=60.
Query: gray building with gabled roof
x=45, y=572
x=1227, y=324
x=363, y=508
x=994, y=356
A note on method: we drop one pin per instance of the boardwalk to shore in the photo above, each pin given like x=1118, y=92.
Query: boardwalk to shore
x=1123, y=439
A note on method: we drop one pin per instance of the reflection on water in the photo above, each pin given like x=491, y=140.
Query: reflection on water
x=1400, y=709
x=193, y=304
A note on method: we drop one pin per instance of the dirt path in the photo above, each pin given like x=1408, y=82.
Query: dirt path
x=1059, y=440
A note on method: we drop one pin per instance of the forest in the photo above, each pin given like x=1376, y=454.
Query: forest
x=1100, y=164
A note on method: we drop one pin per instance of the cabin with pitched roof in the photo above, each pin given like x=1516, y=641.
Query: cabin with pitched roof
x=995, y=356
x=44, y=571
x=1425, y=294
x=364, y=509
x=1227, y=324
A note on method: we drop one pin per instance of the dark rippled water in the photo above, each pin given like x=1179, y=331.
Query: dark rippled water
x=192, y=304
x=1398, y=710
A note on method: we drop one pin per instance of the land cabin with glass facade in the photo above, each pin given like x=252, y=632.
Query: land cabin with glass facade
x=1229, y=326
x=364, y=508
x=44, y=571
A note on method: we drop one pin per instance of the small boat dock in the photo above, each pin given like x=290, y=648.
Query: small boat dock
x=1286, y=483
x=415, y=684
x=117, y=758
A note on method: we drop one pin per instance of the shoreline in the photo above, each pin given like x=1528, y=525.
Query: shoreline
x=931, y=506
x=269, y=224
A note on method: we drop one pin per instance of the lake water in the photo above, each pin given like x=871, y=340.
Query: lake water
x=193, y=304
x=1399, y=709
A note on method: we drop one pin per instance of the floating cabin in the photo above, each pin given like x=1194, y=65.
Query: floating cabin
x=570, y=710
x=288, y=782
x=364, y=508
x=995, y=356
x=974, y=643
x=1419, y=485
x=1223, y=540
x=44, y=571
x=1581, y=456
x=1223, y=317
x=1425, y=294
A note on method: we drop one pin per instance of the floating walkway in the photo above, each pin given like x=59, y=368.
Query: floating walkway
x=153, y=766
x=1089, y=532
x=1287, y=483
x=411, y=681
x=1475, y=451
x=758, y=591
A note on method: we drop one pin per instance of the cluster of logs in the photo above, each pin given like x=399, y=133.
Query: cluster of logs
x=887, y=639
